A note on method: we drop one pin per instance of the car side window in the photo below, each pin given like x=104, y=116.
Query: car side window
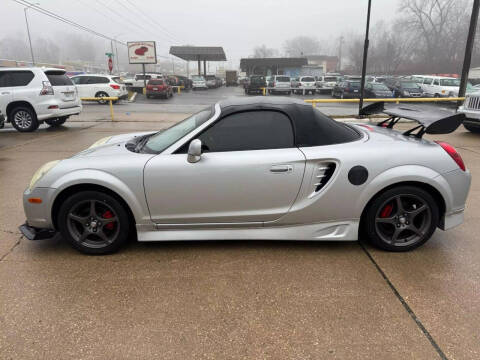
x=436, y=82
x=249, y=130
x=427, y=81
x=85, y=80
x=76, y=80
x=15, y=78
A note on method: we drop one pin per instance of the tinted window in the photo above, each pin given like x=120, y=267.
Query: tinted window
x=330, y=78
x=15, y=78
x=76, y=80
x=427, y=81
x=308, y=79
x=353, y=84
x=155, y=82
x=97, y=80
x=58, y=78
x=436, y=82
x=250, y=130
x=282, y=79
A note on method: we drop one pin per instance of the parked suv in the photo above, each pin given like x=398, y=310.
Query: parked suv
x=306, y=85
x=346, y=89
x=327, y=82
x=158, y=87
x=198, y=82
x=280, y=84
x=92, y=85
x=255, y=84
x=31, y=96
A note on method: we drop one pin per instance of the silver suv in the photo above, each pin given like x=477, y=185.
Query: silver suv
x=31, y=96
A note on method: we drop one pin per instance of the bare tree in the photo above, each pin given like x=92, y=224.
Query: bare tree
x=441, y=27
x=263, y=52
x=302, y=46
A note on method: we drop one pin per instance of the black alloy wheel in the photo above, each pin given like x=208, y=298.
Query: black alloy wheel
x=402, y=218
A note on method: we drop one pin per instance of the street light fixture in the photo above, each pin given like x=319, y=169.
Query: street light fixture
x=28, y=30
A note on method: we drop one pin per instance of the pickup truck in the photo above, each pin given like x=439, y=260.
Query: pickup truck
x=138, y=80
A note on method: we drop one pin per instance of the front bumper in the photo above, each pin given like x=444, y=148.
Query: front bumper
x=472, y=116
x=32, y=233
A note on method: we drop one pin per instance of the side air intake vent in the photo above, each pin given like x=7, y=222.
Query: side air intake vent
x=323, y=174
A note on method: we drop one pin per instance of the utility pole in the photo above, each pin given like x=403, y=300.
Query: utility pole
x=468, y=49
x=339, y=64
x=28, y=31
x=365, y=55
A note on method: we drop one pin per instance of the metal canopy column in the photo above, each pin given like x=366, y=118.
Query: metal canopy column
x=199, y=69
x=205, y=68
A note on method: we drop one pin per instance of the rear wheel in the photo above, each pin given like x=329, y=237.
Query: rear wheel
x=473, y=129
x=56, y=121
x=401, y=219
x=101, y=94
x=24, y=119
x=94, y=222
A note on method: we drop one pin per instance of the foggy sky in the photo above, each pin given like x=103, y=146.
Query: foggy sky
x=238, y=26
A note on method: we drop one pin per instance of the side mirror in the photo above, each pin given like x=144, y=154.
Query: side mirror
x=194, y=151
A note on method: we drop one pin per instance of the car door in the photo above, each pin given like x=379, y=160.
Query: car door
x=427, y=86
x=6, y=92
x=250, y=172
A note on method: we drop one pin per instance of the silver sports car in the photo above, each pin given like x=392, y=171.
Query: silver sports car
x=256, y=168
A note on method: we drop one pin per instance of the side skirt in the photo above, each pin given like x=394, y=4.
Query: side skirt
x=331, y=231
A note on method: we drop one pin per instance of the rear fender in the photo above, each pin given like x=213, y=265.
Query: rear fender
x=406, y=173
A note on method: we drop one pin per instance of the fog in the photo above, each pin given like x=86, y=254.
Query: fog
x=238, y=26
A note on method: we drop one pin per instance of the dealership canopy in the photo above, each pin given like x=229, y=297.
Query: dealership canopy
x=208, y=53
x=199, y=53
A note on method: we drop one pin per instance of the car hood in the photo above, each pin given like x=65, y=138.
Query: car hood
x=113, y=146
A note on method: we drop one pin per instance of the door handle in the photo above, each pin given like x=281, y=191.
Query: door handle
x=281, y=168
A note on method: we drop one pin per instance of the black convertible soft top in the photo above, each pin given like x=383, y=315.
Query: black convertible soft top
x=432, y=120
x=311, y=127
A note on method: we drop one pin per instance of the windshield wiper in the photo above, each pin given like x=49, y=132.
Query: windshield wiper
x=141, y=143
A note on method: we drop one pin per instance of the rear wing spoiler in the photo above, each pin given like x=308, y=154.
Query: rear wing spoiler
x=432, y=120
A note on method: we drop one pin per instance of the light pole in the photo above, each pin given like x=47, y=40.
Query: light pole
x=365, y=55
x=116, y=49
x=28, y=30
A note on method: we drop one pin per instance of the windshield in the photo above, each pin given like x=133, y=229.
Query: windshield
x=354, y=84
x=450, y=82
x=308, y=79
x=330, y=78
x=282, y=79
x=140, y=77
x=377, y=86
x=58, y=78
x=162, y=140
x=155, y=82
x=197, y=78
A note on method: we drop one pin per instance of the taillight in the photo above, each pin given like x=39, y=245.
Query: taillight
x=47, y=88
x=116, y=87
x=347, y=89
x=274, y=84
x=453, y=153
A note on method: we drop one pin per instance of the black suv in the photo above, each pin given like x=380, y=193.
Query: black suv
x=255, y=84
x=346, y=89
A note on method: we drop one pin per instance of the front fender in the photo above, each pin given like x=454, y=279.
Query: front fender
x=406, y=173
x=133, y=196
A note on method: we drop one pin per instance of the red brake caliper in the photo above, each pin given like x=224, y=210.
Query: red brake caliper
x=108, y=215
x=386, y=211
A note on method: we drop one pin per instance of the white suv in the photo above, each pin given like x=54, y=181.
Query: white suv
x=307, y=85
x=30, y=96
x=92, y=85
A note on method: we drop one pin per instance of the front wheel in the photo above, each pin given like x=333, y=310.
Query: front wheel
x=401, y=219
x=56, y=121
x=101, y=94
x=94, y=222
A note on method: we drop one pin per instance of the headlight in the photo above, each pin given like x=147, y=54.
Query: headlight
x=406, y=92
x=42, y=171
x=100, y=142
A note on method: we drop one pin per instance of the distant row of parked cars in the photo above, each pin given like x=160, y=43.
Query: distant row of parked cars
x=349, y=86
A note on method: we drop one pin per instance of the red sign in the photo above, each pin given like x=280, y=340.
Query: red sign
x=110, y=64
